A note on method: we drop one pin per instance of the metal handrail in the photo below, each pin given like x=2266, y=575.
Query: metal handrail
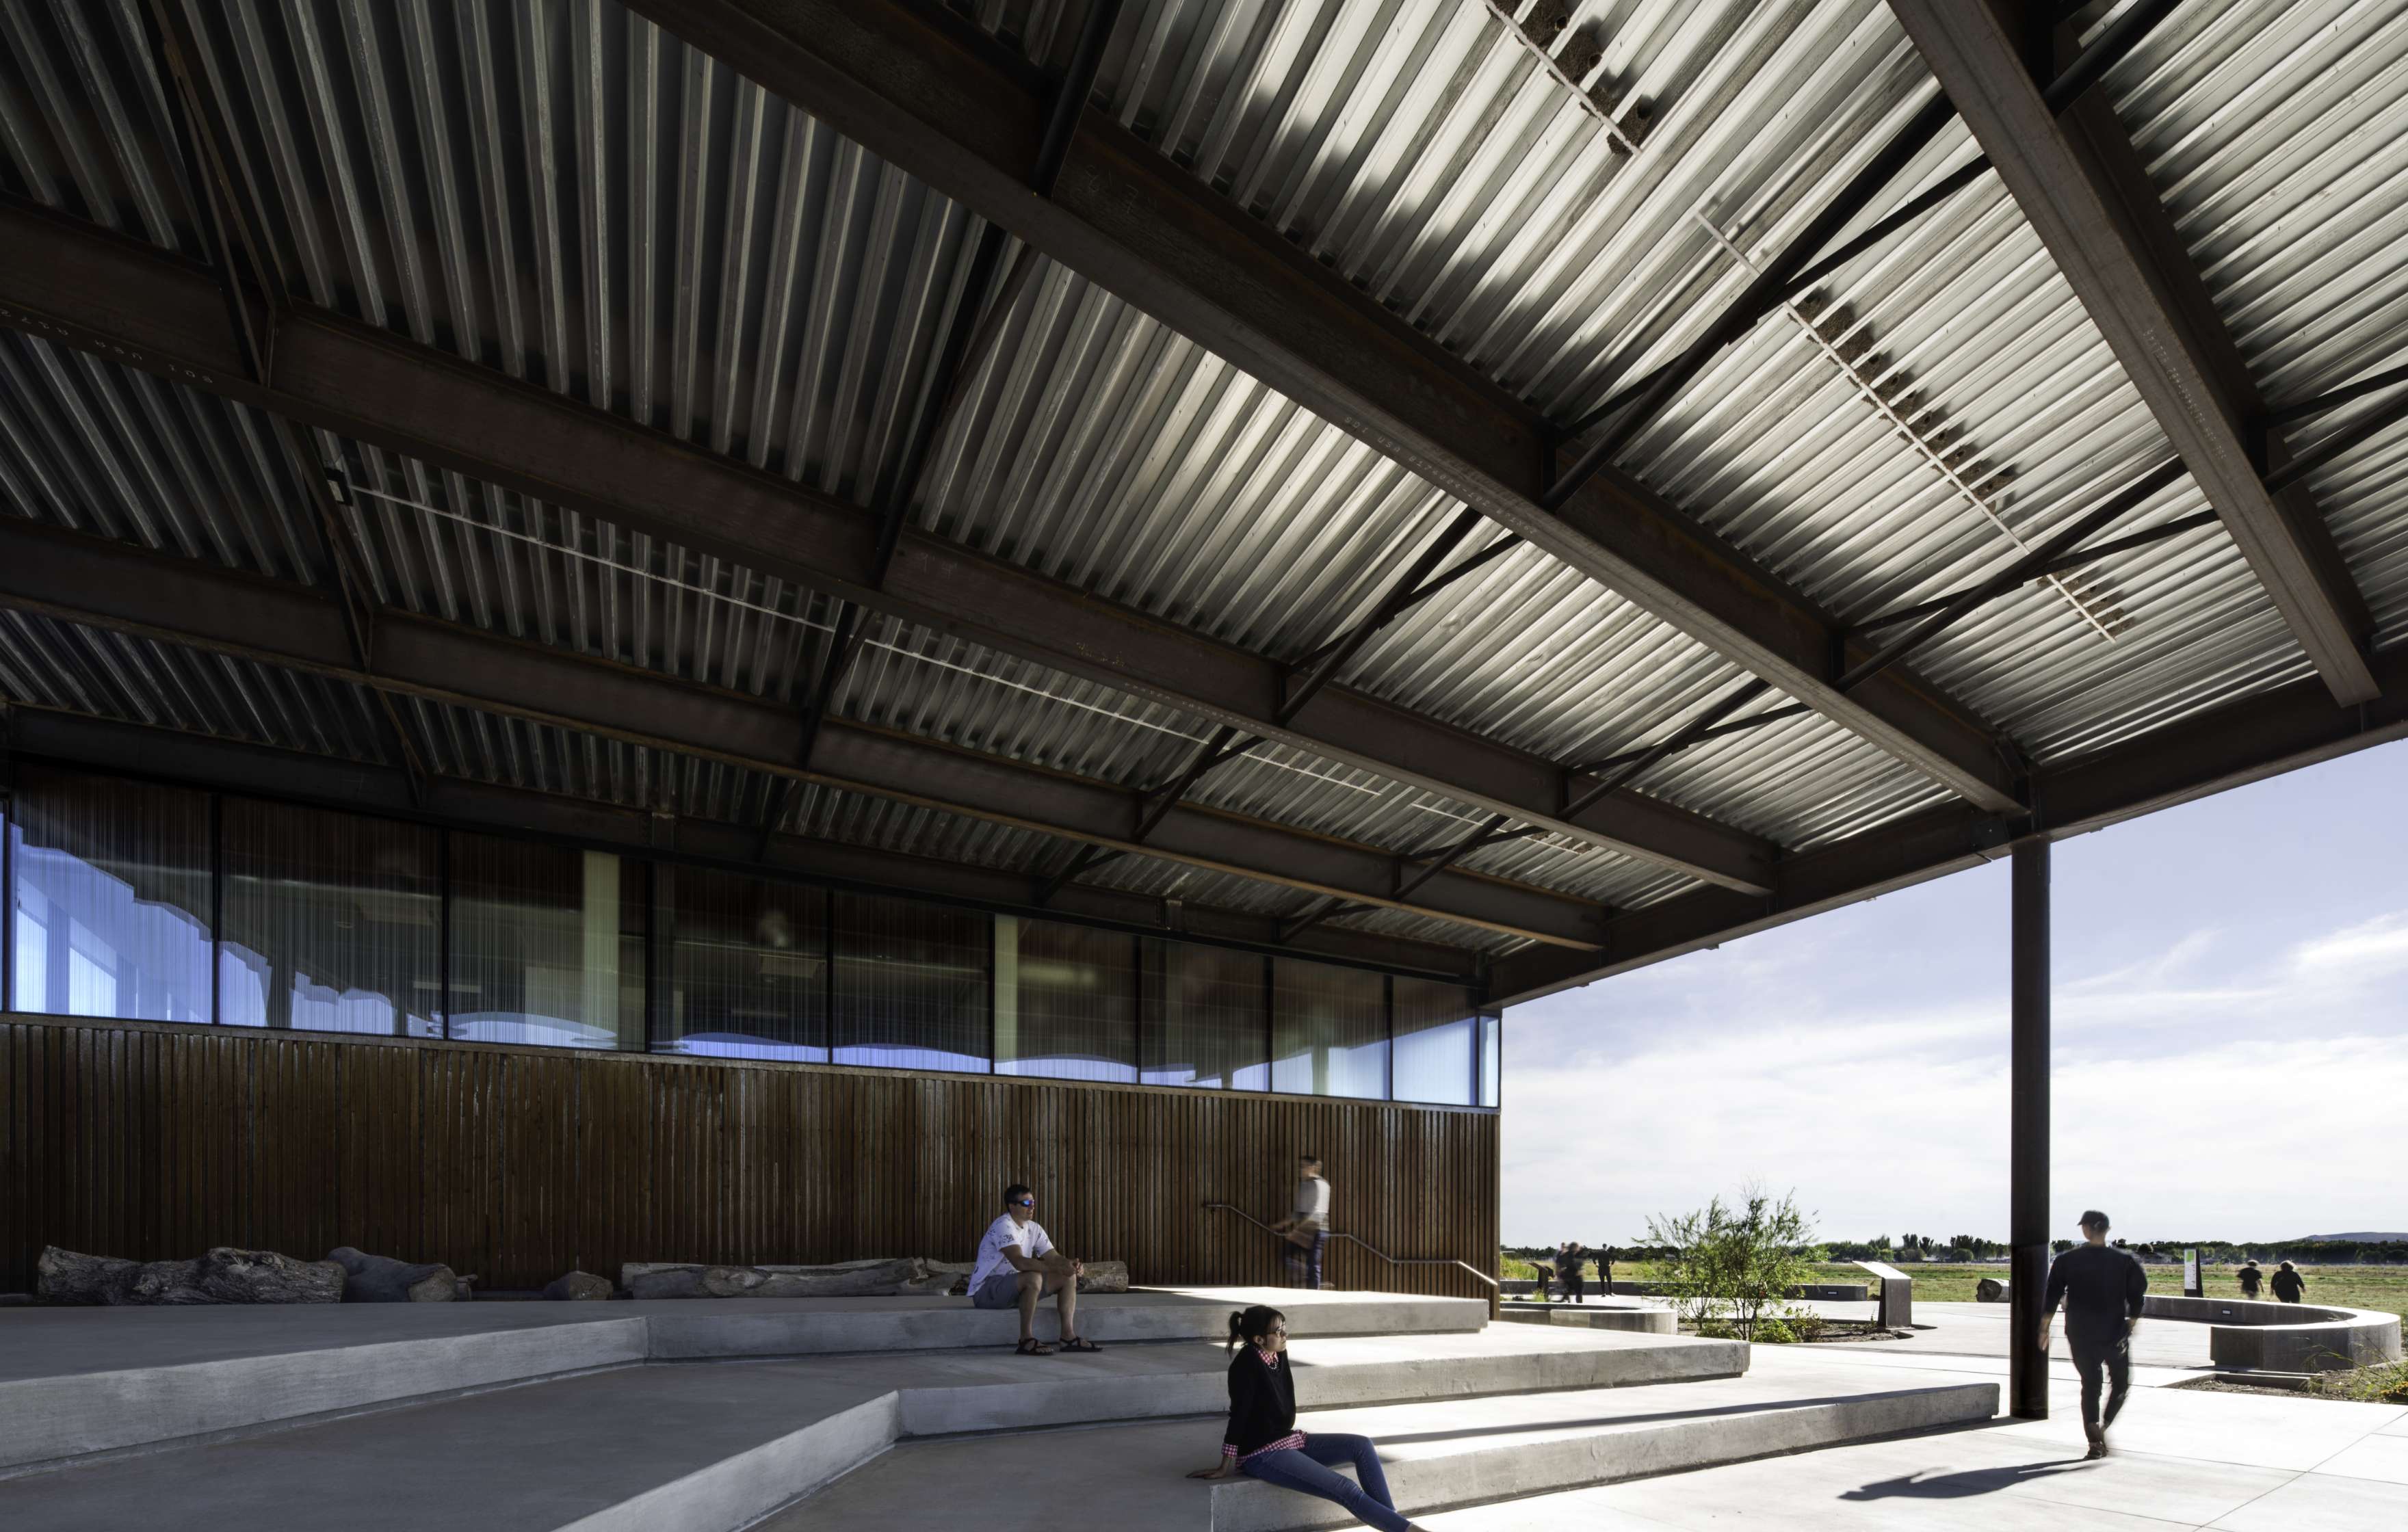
x=1391, y=1260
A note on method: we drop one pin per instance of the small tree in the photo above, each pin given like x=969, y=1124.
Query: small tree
x=1740, y=1260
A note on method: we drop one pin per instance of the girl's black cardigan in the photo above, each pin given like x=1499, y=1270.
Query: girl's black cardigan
x=1262, y=1401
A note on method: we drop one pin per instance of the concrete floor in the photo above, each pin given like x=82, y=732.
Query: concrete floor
x=2239, y=1463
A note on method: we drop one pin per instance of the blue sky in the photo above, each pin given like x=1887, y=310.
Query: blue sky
x=2231, y=1042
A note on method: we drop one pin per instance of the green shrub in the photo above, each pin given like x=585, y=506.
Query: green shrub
x=2383, y=1383
x=1805, y=1324
x=1771, y=1331
x=1737, y=1263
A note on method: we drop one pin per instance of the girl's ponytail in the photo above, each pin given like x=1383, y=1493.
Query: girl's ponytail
x=1246, y=1324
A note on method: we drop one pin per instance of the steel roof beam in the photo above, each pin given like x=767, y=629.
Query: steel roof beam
x=927, y=92
x=207, y=761
x=2083, y=189
x=2241, y=742
x=84, y=287
x=96, y=582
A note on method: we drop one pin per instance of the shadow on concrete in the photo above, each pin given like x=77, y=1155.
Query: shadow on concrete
x=1959, y=1487
x=1521, y=1427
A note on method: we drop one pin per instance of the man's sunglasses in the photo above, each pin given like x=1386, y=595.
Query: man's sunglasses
x=1026, y=1202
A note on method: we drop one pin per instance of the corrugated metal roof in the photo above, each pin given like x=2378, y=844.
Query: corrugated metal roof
x=558, y=189
x=2273, y=134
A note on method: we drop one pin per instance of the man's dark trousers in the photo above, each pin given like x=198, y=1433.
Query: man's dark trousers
x=2100, y=1347
x=1575, y=1290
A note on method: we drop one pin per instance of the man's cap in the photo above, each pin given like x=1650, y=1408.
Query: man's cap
x=2094, y=1219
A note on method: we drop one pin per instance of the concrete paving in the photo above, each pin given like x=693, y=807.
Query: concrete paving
x=1434, y=1454
x=2183, y=1459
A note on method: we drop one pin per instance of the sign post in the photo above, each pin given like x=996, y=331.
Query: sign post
x=2193, y=1286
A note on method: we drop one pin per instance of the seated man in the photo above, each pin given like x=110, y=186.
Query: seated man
x=1017, y=1264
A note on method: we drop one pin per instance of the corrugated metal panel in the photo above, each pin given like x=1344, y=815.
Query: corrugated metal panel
x=2274, y=133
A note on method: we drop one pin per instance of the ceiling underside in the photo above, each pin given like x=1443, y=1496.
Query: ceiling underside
x=583, y=369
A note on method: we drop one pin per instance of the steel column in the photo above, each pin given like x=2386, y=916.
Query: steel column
x=2027, y=1147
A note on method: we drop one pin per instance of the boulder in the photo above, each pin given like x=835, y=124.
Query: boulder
x=578, y=1287
x=63, y=1276
x=846, y=1279
x=1990, y=1289
x=380, y=1278
x=1104, y=1277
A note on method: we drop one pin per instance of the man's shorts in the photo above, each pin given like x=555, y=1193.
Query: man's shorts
x=1000, y=1290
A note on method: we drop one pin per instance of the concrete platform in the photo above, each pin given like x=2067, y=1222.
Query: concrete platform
x=2236, y=1463
x=1436, y=1455
x=1633, y=1317
x=77, y=1380
x=711, y=1447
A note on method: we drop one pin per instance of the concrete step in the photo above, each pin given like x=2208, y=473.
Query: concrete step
x=1633, y=1317
x=1436, y=1455
x=81, y=1381
x=712, y=1447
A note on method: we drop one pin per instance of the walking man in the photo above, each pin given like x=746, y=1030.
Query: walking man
x=2250, y=1279
x=1568, y=1268
x=1306, y=1226
x=2102, y=1288
x=2288, y=1283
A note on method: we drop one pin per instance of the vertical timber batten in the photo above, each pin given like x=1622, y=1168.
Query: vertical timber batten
x=513, y=1162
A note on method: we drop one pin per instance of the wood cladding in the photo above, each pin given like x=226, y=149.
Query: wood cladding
x=157, y=1142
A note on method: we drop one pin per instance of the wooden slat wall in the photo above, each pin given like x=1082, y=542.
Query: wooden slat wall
x=154, y=1142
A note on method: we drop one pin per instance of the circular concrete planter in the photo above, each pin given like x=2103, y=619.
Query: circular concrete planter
x=2285, y=1337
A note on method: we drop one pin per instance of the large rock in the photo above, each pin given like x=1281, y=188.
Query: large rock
x=1104, y=1277
x=578, y=1287
x=846, y=1279
x=380, y=1278
x=224, y=1275
x=1990, y=1289
x=65, y=1275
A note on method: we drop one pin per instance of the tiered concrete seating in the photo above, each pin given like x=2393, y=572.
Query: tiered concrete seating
x=524, y=1418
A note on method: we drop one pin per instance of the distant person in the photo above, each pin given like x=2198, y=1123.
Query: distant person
x=1306, y=1227
x=1605, y=1272
x=1568, y=1271
x=2102, y=1288
x=1017, y=1266
x=1262, y=1442
x=1545, y=1271
x=2250, y=1279
x=2288, y=1283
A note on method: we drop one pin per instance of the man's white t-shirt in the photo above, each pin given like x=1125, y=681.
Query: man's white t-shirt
x=1004, y=1233
x=1312, y=1199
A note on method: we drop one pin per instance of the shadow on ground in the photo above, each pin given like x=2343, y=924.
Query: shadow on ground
x=1959, y=1487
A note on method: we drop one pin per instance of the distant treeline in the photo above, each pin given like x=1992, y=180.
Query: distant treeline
x=1966, y=1247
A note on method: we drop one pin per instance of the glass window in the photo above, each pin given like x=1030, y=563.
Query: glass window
x=546, y=945
x=331, y=923
x=1437, y=1039
x=1329, y=1035
x=1491, y=1025
x=747, y=966
x=1211, y=1022
x=911, y=984
x=1064, y=1001
x=111, y=902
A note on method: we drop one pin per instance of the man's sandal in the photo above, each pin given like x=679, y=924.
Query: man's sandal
x=1034, y=1348
x=1079, y=1343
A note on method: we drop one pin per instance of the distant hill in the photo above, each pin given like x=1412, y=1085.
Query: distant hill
x=2369, y=1238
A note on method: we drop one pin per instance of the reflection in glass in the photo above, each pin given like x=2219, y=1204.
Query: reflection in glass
x=1329, y=1034
x=1211, y=1024
x=1064, y=1001
x=748, y=967
x=547, y=946
x=1491, y=1025
x=111, y=899
x=1436, y=1036
x=911, y=984
x=331, y=923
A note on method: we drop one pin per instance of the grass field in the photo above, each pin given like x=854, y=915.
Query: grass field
x=2379, y=1287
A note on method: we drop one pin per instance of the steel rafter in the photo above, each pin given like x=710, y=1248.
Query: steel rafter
x=95, y=583
x=2240, y=742
x=70, y=283
x=2081, y=188
x=929, y=92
